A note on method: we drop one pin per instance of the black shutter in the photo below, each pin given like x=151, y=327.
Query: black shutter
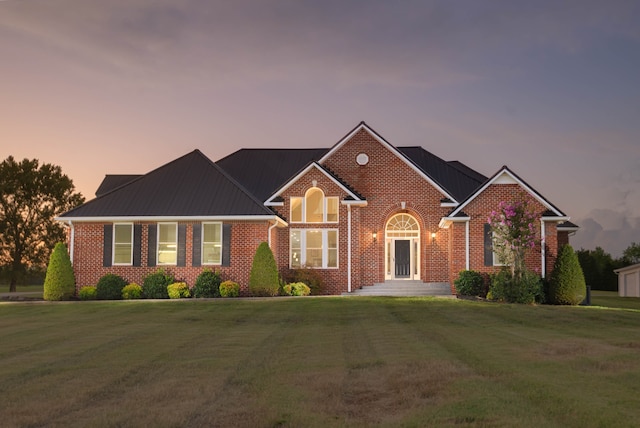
x=107, y=244
x=182, y=245
x=196, y=245
x=151, y=248
x=226, y=245
x=488, y=245
x=137, y=244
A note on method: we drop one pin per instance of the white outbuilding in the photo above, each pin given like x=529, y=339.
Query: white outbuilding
x=629, y=280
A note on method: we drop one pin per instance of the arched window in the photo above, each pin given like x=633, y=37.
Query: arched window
x=402, y=226
x=314, y=204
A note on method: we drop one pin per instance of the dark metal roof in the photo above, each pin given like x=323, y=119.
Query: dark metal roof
x=113, y=181
x=191, y=185
x=456, y=178
x=263, y=171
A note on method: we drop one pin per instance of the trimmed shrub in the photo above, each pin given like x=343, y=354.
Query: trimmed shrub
x=59, y=282
x=504, y=288
x=110, y=287
x=229, y=289
x=311, y=277
x=470, y=283
x=88, y=292
x=296, y=289
x=154, y=285
x=178, y=290
x=263, y=280
x=567, y=285
x=207, y=284
x=132, y=291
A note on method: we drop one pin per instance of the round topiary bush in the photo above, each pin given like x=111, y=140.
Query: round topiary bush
x=178, y=290
x=155, y=285
x=263, y=280
x=229, y=289
x=88, y=292
x=60, y=282
x=469, y=283
x=132, y=291
x=567, y=285
x=207, y=284
x=110, y=286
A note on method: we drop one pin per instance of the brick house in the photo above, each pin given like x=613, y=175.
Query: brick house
x=362, y=212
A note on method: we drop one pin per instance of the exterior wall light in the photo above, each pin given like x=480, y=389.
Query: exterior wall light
x=433, y=237
x=375, y=236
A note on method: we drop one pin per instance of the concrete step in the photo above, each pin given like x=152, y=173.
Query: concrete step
x=404, y=288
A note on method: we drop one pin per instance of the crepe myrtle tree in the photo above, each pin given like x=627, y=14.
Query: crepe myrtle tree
x=514, y=232
x=31, y=195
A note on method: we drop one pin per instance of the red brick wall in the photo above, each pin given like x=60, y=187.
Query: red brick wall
x=88, y=249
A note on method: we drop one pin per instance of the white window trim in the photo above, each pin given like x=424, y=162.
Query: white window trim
x=158, y=245
x=113, y=245
x=202, y=244
x=303, y=207
x=325, y=248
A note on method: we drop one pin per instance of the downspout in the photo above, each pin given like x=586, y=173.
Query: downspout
x=466, y=237
x=349, y=248
x=275, y=223
x=72, y=240
x=543, y=249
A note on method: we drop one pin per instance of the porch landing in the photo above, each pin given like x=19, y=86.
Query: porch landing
x=405, y=289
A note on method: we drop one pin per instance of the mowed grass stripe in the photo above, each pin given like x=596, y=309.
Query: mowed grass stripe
x=317, y=362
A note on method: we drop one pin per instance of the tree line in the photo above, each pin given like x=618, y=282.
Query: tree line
x=598, y=265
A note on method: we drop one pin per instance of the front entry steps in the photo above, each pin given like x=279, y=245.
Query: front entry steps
x=405, y=289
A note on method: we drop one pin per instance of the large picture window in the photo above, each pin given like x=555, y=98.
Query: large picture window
x=123, y=244
x=167, y=243
x=211, y=243
x=314, y=208
x=314, y=248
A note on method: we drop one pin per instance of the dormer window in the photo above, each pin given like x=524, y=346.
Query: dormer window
x=314, y=208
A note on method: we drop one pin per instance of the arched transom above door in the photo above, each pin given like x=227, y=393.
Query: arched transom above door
x=402, y=226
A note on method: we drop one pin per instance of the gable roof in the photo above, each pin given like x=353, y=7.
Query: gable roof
x=189, y=186
x=263, y=171
x=504, y=174
x=408, y=161
x=352, y=195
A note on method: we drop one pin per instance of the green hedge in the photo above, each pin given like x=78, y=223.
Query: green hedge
x=110, y=287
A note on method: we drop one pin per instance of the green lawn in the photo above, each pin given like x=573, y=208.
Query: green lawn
x=319, y=362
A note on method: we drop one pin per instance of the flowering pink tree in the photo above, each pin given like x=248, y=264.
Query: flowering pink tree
x=514, y=232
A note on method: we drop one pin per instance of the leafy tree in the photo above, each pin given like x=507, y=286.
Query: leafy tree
x=597, y=266
x=631, y=255
x=60, y=283
x=263, y=280
x=567, y=285
x=514, y=233
x=31, y=195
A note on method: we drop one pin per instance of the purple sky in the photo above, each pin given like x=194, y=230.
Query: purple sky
x=549, y=88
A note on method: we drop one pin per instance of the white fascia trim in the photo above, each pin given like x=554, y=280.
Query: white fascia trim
x=554, y=218
x=111, y=219
x=445, y=222
x=391, y=149
x=448, y=204
x=519, y=182
x=302, y=173
x=626, y=268
x=274, y=204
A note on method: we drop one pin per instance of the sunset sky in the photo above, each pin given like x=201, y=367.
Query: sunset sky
x=549, y=88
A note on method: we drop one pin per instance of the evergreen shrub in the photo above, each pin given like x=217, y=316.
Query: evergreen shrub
x=132, y=291
x=59, y=282
x=311, y=277
x=154, y=285
x=88, y=292
x=470, y=283
x=178, y=290
x=229, y=289
x=296, y=289
x=567, y=285
x=109, y=287
x=263, y=279
x=207, y=284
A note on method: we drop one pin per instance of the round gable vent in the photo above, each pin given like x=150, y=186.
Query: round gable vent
x=362, y=159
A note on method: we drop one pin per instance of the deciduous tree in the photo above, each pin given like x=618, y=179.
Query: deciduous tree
x=31, y=195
